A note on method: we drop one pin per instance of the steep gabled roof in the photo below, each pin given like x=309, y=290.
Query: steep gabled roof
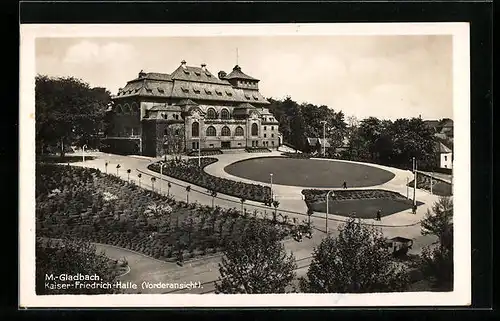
x=196, y=74
x=442, y=149
x=238, y=74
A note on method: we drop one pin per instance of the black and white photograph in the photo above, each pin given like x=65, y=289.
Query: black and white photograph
x=245, y=165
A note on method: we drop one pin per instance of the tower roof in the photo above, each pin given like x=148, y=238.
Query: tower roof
x=238, y=74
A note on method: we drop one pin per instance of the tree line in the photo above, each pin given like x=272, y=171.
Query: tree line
x=382, y=141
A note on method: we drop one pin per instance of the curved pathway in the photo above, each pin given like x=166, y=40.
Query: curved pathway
x=206, y=270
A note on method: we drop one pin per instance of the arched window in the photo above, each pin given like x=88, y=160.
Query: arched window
x=211, y=131
x=126, y=109
x=118, y=109
x=135, y=109
x=255, y=130
x=211, y=114
x=165, y=132
x=195, y=129
x=239, y=131
x=225, y=131
x=224, y=114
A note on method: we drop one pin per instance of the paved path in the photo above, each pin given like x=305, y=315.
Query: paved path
x=144, y=268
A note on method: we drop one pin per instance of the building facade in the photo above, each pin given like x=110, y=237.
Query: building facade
x=191, y=108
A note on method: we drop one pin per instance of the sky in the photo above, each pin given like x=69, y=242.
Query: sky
x=389, y=77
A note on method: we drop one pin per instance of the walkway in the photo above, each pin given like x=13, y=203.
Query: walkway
x=206, y=270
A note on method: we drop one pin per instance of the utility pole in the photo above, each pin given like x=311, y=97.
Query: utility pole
x=414, y=181
x=324, y=136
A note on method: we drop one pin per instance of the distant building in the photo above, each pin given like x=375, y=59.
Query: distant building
x=444, y=156
x=441, y=128
x=315, y=145
x=190, y=109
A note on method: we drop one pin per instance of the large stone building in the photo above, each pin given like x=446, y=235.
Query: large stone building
x=190, y=108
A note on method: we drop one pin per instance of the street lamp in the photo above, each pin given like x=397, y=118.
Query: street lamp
x=139, y=175
x=271, y=174
x=324, y=136
x=83, y=152
x=106, y=167
x=327, y=209
x=117, y=168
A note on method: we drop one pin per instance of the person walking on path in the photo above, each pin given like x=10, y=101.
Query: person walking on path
x=344, y=185
x=379, y=212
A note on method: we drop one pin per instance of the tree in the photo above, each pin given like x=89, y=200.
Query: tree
x=68, y=111
x=256, y=262
x=213, y=193
x=188, y=189
x=356, y=261
x=242, y=201
x=437, y=260
x=276, y=204
x=310, y=212
x=71, y=257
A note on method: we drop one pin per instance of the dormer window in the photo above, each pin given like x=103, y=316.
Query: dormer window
x=247, y=97
x=208, y=75
x=161, y=90
x=196, y=91
x=255, y=97
x=184, y=89
x=186, y=72
x=208, y=92
x=218, y=92
x=149, y=90
x=197, y=73
x=229, y=93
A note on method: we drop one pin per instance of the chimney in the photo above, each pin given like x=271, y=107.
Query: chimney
x=222, y=75
x=142, y=74
x=204, y=67
x=183, y=63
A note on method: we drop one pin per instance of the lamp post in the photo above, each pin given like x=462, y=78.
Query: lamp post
x=139, y=175
x=407, y=188
x=117, y=168
x=324, y=136
x=161, y=176
x=271, y=174
x=414, y=181
x=199, y=151
x=83, y=152
x=327, y=210
x=106, y=167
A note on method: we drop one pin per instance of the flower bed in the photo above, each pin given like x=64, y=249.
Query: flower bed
x=257, y=150
x=314, y=195
x=360, y=203
x=439, y=187
x=207, y=152
x=191, y=173
x=135, y=218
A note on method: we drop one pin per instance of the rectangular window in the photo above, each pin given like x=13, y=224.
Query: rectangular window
x=194, y=145
x=272, y=143
x=445, y=158
x=272, y=127
x=265, y=135
x=239, y=144
x=272, y=135
x=265, y=127
x=211, y=145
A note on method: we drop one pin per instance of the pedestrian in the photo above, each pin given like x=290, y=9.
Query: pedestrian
x=414, y=209
x=345, y=185
x=379, y=212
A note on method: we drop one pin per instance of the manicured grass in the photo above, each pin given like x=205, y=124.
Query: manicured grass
x=364, y=208
x=308, y=172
